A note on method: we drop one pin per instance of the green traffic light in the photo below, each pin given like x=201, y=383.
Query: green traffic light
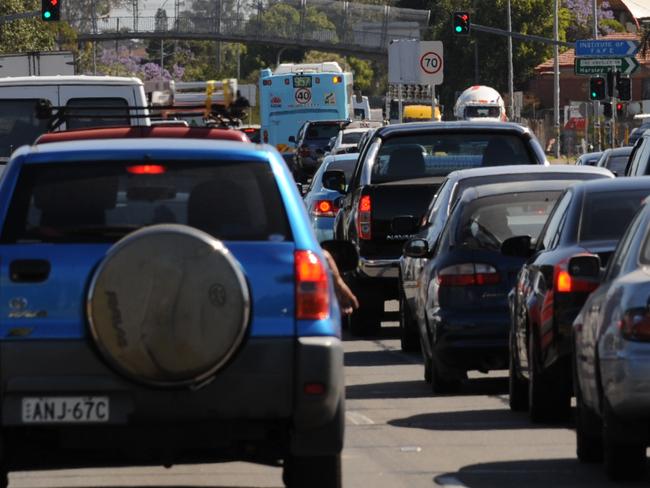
x=459, y=28
x=47, y=15
x=594, y=95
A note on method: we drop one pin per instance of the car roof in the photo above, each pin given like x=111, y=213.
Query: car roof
x=341, y=157
x=143, y=131
x=569, y=169
x=618, y=151
x=614, y=184
x=451, y=126
x=494, y=189
x=138, y=149
x=69, y=80
x=595, y=154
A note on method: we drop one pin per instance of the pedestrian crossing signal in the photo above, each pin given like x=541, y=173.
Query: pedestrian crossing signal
x=462, y=23
x=51, y=10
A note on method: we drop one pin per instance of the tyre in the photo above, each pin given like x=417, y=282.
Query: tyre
x=366, y=320
x=589, y=438
x=312, y=471
x=168, y=306
x=440, y=384
x=408, y=332
x=517, y=387
x=625, y=460
x=549, y=400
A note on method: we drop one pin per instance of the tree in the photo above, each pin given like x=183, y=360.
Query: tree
x=581, y=23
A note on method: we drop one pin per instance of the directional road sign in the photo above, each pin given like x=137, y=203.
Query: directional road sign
x=599, y=66
x=606, y=48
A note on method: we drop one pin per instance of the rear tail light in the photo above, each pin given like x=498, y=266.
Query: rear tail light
x=337, y=79
x=265, y=136
x=324, y=208
x=146, y=169
x=267, y=82
x=304, y=151
x=468, y=274
x=565, y=283
x=312, y=289
x=635, y=325
x=364, y=213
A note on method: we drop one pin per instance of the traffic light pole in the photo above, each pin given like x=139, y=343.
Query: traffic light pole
x=596, y=105
x=22, y=15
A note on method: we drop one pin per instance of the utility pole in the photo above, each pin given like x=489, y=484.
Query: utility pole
x=596, y=104
x=556, y=81
x=511, y=76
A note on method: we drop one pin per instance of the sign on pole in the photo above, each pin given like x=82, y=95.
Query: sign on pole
x=606, y=48
x=415, y=62
x=600, y=66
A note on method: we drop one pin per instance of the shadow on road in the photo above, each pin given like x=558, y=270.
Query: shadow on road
x=379, y=358
x=385, y=332
x=500, y=419
x=532, y=474
x=396, y=389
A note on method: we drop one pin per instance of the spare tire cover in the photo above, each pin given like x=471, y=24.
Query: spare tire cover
x=169, y=305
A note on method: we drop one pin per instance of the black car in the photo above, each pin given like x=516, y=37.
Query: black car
x=589, y=218
x=639, y=161
x=311, y=144
x=436, y=215
x=461, y=304
x=397, y=173
x=615, y=159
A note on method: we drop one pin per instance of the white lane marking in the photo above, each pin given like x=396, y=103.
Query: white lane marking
x=358, y=418
x=449, y=482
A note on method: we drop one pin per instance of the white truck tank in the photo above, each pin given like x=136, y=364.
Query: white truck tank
x=480, y=103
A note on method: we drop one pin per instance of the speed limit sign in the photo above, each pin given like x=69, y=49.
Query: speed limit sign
x=430, y=62
x=303, y=95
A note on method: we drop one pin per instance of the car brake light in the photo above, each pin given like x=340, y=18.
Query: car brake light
x=267, y=82
x=265, y=136
x=146, y=169
x=565, y=283
x=312, y=288
x=304, y=151
x=636, y=325
x=249, y=131
x=324, y=208
x=364, y=213
x=468, y=274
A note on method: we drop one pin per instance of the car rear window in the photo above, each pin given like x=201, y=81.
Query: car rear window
x=322, y=131
x=19, y=124
x=346, y=165
x=351, y=137
x=487, y=222
x=79, y=109
x=617, y=164
x=424, y=155
x=103, y=202
x=606, y=215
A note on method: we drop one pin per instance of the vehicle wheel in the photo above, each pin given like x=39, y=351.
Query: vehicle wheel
x=178, y=319
x=623, y=461
x=548, y=397
x=439, y=384
x=589, y=438
x=312, y=472
x=517, y=387
x=408, y=332
x=366, y=320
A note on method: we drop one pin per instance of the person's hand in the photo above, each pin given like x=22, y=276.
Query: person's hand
x=346, y=298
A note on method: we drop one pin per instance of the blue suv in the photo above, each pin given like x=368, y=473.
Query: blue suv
x=165, y=301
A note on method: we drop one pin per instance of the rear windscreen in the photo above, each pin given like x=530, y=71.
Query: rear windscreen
x=606, y=215
x=84, y=112
x=322, y=131
x=104, y=202
x=617, y=164
x=487, y=222
x=19, y=124
x=345, y=165
x=424, y=155
x=351, y=137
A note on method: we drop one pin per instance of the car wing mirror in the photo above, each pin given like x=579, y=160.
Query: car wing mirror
x=43, y=109
x=292, y=139
x=334, y=179
x=517, y=247
x=344, y=253
x=416, y=248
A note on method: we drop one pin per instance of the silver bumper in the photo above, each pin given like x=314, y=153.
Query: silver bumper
x=379, y=268
x=625, y=378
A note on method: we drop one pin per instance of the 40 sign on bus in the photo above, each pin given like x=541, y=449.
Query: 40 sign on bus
x=303, y=95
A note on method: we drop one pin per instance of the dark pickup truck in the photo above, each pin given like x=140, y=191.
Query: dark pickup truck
x=395, y=179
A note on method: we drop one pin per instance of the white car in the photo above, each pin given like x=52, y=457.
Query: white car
x=347, y=140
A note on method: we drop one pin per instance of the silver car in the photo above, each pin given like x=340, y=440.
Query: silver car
x=612, y=355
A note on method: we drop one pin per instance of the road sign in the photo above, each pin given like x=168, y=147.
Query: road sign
x=303, y=95
x=600, y=66
x=415, y=62
x=606, y=48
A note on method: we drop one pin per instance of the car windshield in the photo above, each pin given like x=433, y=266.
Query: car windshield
x=480, y=112
x=103, y=202
x=351, y=137
x=617, y=164
x=426, y=155
x=322, y=131
x=488, y=221
x=18, y=124
x=615, y=208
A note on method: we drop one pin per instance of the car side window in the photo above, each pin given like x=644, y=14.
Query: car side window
x=641, y=155
x=550, y=234
x=622, y=250
x=434, y=206
x=644, y=159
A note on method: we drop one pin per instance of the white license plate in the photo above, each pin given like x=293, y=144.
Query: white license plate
x=65, y=409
